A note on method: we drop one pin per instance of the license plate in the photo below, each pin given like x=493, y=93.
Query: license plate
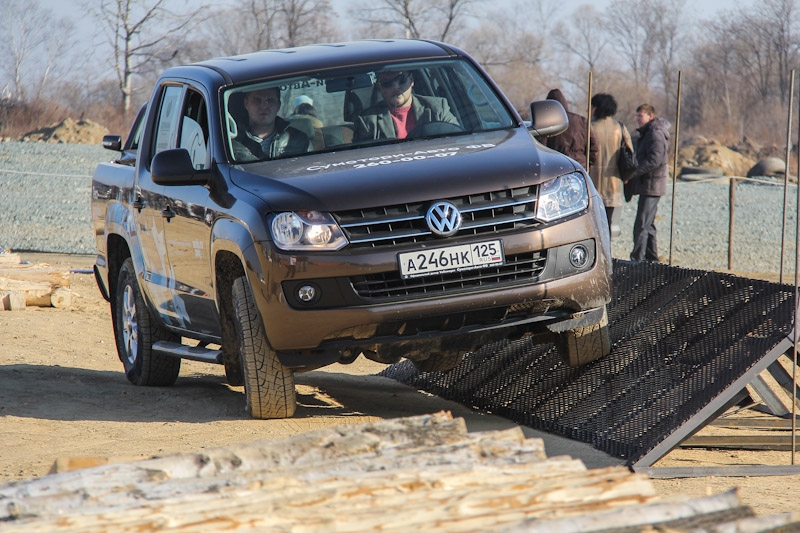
x=450, y=259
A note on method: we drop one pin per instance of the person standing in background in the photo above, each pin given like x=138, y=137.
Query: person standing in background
x=572, y=142
x=609, y=136
x=649, y=180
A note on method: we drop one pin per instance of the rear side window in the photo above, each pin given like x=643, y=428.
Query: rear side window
x=168, y=115
x=183, y=123
x=346, y=109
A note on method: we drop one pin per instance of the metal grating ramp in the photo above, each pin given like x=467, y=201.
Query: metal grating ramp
x=685, y=343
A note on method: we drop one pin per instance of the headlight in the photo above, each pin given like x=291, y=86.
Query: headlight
x=306, y=230
x=561, y=197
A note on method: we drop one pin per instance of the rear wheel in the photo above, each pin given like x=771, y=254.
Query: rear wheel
x=268, y=385
x=135, y=332
x=586, y=344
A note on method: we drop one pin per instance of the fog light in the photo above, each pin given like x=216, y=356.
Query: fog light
x=578, y=256
x=307, y=293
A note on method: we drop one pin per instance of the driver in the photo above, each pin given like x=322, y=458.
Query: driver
x=400, y=111
x=267, y=135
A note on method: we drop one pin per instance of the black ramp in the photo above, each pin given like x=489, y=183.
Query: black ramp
x=684, y=344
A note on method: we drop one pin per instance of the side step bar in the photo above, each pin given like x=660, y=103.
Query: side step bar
x=182, y=351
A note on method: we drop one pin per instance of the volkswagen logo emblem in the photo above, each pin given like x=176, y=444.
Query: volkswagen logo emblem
x=443, y=218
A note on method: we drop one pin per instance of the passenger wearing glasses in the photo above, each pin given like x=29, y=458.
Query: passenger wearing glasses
x=400, y=111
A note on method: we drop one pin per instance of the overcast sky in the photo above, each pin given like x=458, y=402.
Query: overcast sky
x=697, y=8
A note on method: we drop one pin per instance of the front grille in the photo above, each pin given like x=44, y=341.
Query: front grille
x=490, y=212
x=389, y=285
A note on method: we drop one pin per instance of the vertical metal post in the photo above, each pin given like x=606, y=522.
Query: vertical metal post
x=795, y=324
x=675, y=165
x=589, y=122
x=731, y=216
x=786, y=173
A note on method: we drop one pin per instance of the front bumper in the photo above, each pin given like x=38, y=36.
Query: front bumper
x=343, y=318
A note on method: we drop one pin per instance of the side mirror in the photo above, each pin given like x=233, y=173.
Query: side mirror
x=548, y=118
x=112, y=142
x=174, y=167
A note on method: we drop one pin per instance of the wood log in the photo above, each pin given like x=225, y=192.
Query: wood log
x=419, y=473
x=12, y=301
x=41, y=272
x=61, y=298
x=38, y=293
x=10, y=259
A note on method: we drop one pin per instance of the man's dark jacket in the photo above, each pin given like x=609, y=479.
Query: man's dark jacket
x=572, y=142
x=652, y=148
x=376, y=122
x=287, y=141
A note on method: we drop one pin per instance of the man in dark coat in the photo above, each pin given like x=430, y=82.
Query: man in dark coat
x=649, y=180
x=572, y=142
x=267, y=135
x=400, y=111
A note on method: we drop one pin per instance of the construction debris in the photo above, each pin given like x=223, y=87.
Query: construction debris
x=24, y=284
x=419, y=473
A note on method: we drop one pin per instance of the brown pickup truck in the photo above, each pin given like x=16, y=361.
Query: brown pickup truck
x=283, y=210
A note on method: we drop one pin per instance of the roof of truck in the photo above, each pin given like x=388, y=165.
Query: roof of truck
x=316, y=57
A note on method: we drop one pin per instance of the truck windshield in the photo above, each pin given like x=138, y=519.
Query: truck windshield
x=352, y=109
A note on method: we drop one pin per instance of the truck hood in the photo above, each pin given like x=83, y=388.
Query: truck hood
x=404, y=172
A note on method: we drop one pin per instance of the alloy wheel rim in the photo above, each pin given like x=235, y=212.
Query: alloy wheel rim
x=130, y=325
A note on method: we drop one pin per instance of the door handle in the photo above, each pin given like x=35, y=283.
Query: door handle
x=138, y=204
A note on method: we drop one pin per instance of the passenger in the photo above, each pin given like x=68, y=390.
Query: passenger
x=400, y=111
x=267, y=135
x=304, y=108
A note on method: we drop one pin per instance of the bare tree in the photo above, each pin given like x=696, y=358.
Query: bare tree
x=665, y=28
x=307, y=21
x=265, y=24
x=139, y=31
x=31, y=43
x=516, y=55
x=648, y=34
x=415, y=19
x=584, y=35
x=780, y=27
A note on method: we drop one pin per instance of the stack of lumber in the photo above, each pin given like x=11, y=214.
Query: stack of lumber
x=419, y=473
x=24, y=284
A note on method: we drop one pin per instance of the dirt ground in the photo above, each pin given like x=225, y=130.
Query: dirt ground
x=63, y=394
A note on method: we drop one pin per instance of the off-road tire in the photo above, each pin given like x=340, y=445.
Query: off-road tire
x=439, y=362
x=135, y=332
x=268, y=385
x=583, y=345
x=230, y=351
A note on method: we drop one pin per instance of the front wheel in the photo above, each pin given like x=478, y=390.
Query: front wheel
x=583, y=345
x=268, y=385
x=135, y=332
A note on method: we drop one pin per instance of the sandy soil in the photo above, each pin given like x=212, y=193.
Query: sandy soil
x=63, y=394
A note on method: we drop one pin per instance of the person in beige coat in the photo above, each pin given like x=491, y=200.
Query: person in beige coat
x=609, y=135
